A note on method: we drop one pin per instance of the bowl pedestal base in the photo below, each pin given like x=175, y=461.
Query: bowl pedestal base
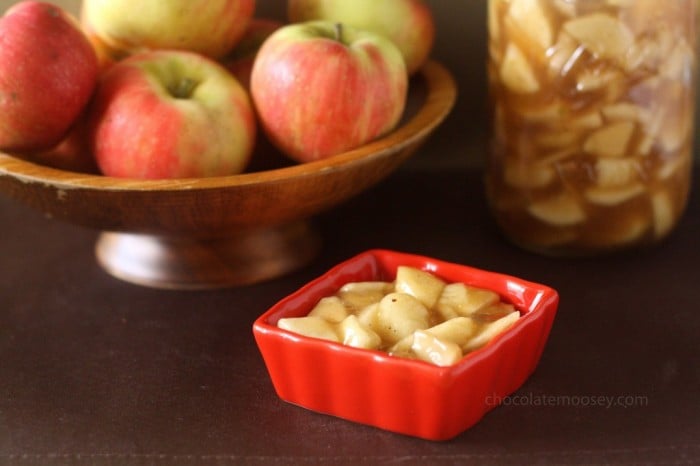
x=180, y=262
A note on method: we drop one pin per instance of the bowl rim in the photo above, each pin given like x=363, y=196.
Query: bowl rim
x=546, y=302
x=441, y=93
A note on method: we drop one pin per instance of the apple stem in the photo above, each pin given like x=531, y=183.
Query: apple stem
x=183, y=88
x=339, y=32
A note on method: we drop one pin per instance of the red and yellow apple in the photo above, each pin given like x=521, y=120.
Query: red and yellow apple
x=72, y=153
x=408, y=23
x=240, y=60
x=170, y=114
x=321, y=88
x=208, y=27
x=48, y=71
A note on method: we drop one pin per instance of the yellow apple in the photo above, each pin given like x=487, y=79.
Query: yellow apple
x=208, y=27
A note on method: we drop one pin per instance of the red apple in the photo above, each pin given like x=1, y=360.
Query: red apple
x=72, y=153
x=240, y=60
x=170, y=114
x=48, y=71
x=408, y=23
x=209, y=27
x=322, y=88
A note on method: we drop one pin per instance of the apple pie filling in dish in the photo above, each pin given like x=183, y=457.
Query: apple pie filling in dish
x=417, y=316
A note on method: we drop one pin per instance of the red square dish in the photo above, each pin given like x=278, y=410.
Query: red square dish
x=402, y=395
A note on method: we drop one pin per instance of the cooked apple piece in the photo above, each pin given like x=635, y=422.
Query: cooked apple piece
x=626, y=111
x=617, y=172
x=402, y=348
x=611, y=140
x=354, y=333
x=457, y=330
x=679, y=63
x=530, y=17
x=431, y=349
x=424, y=286
x=587, y=121
x=310, y=326
x=601, y=34
x=674, y=134
x=493, y=312
x=676, y=127
x=330, y=308
x=358, y=295
x=559, y=210
x=673, y=165
x=516, y=73
x=620, y=3
x=557, y=157
x=556, y=138
x=662, y=212
x=611, y=196
x=399, y=315
x=490, y=330
x=564, y=55
x=549, y=112
x=645, y=53
x=371, y=287
x=368, y=316
x=590, y=80
x=459, y=299
x=565, y=7
x=645, y=145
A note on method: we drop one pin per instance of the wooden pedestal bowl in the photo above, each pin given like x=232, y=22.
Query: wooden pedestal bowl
x=224, y=231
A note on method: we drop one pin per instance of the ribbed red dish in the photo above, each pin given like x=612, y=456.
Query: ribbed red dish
x=406, y=396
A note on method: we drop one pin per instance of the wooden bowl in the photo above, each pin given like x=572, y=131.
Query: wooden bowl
x=223, y=231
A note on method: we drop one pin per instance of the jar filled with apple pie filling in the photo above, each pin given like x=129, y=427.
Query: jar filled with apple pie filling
x=592, y=121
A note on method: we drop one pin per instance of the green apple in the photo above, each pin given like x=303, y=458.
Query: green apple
x=408, y=23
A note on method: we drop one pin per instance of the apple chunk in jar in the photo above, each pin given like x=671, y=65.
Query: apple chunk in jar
x=592, y=121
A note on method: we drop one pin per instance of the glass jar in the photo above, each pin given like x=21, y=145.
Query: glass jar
x=592, y=121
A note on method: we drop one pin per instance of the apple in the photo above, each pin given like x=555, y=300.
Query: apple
x=209, y=27
x=48, y=71
x=72, y=153
x=322, y=88
x=170, y=114
x=408, y=23
x=106, y=56
x=240, y=60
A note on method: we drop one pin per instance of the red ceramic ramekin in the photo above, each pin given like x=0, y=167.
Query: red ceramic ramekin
x=406, y=396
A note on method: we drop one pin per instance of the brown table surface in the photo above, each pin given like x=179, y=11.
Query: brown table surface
x=98, y=371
